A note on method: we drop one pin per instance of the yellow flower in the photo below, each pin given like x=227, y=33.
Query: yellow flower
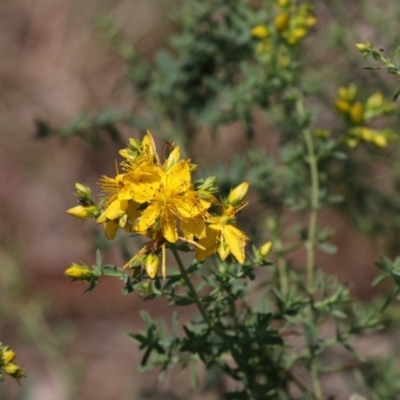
x=138, y=152
x=78, y=272
x=223, y=236
x=169, y=196
x=260, y=31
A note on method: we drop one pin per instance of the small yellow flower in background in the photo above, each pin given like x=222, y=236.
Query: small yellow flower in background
x=379, y=140
x=260, y=31
x=375, y=101
x=343, y=106
x=78, y=272
x=8, y=355
x=322, y=133
x=283, y=3
x=348, y=93
x=282, y=21
x=356, y=113
x=7, y=365
x=365, y=48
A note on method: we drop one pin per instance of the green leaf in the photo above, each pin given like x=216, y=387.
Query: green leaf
x=327, y=248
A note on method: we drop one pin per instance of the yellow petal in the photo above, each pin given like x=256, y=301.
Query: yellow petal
x=236, y=240
x=148, y=218
x=177, y=179
x=110, y=229
x=209, y=243
x=115, y=210
x=149, y=147
x=168, y=226
x=172, y=159
x=193, y=227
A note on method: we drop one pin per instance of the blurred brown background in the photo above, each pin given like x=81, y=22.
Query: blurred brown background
x=55, y=63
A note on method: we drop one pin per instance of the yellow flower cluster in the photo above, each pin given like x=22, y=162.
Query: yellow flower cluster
x=291, y=24
x=160, y=201
x=358, y=114
x=7, y=365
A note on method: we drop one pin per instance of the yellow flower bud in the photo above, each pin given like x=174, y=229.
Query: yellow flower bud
x=283, y=61
x=260, y=31
x=356, y=113
x=134, y=144
x=379, y=140
x=322, y=133
x=351, y=142
x=263, y=47
x=266, y=249
x=8, y=355
x=310, y=21
x=281, y=22
x=298, y=34
x=342, y=106
x=364, y=47
x=238, y=193
x=83, y=191
x=83, y=212
x=151, y=265
x=365, y=134
x=125, y=154
x=283, y=3
x=13, y=370
x=78, y=272
x=348, y=93
x=375, y=101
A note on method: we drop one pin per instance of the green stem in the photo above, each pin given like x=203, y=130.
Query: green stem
x=312, y=226
x=192, y=290
x=315, y=380
x=282, y=268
